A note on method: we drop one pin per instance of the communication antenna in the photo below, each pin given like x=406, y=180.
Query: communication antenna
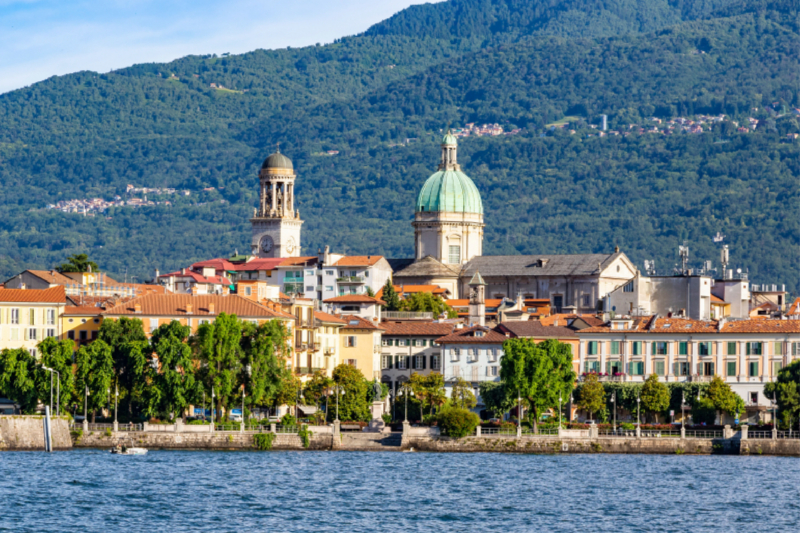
x=725, y=258
x=719, y=237
x=683, y=252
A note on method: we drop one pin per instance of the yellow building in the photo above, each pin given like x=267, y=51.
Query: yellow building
x=28, y=316
x=360, y=345
x=327, y=333
x=81, y=324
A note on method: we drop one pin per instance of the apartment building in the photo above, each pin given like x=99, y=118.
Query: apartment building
x=360, y=345
x=28, y=316
x=472, y=354
x=409, y=347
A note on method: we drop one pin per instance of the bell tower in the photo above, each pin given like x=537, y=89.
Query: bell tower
x=276, y=223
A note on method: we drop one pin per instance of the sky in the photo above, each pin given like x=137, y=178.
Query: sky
x=43, y=38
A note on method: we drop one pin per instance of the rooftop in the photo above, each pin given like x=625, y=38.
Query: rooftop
x=358, y=260
x=534, y=328
x=473, y=335
x=428, y=267
x=410, y=328
x=176, y=305
x=356, y=322
x=539, y=265
x=354, y=299
x=56, y=295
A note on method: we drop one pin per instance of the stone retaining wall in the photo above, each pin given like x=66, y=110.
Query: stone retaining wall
x=22, y=432
x=197, y=441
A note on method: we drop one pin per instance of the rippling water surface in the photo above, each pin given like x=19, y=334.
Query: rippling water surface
x=94, y=491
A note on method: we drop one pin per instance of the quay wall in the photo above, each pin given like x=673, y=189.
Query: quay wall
x=195, y=441
x=24, y=432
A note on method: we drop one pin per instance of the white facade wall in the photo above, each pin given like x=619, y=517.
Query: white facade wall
x=475, y=363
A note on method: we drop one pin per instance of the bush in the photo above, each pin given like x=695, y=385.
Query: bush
x=387, y=418
x=457, y=422
x=305, y=436
x=263, y=441
x=288, y=420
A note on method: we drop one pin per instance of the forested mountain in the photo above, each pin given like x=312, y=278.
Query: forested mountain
x=520, y=63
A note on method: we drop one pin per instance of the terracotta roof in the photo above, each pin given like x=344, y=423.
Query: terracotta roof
x=354, y=299
x=794, y=309
x=175, y=305
x=534, y=328
x=264, y=263
x=52, y=295
x=716, y=300
x=326, y=317
x=217, y=264
x=464, y=302
x=51, y=276
x=300, y=261
x=562, y=319
x=356, y=322
x=86, y=310
x=680, y=326
x=198, y=278
x=467, y=336
x=761, y=326
x=141, y=288
x=358, y=260
x=413, y=328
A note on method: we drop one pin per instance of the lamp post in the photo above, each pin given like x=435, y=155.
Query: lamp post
x=406, y=392
x=86, y=406
x=204, y=405
x=683, y=406
x=638, y=410
x=559, y=411
x=116, y=403
x=571, y=401
x=337, y=390
x=614, y=402
x=212, y=404
x=242, y=426
x=51, y=387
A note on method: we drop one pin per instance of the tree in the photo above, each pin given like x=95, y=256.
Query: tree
x=58, y=356
x=429, y=390
x=95, y=372
x=262, y=368
x=456, y=422
x=173, y=382
x=130, y=350
x=462, y=396
x=78, y=263
x=370, y=292
x=539, y=372
x=786, y=391
x=721, y=398
x=18, y=378
x=390, y=296
x=318, y=388
x=591, y=397
x=288, y=390
x=353, y=403
x=496, y=398
x=217, y=346
x=427, y=303
x=655, y=396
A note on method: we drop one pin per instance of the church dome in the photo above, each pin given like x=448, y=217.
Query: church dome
x=449, y=139
x=449, y=191
x=278, y=160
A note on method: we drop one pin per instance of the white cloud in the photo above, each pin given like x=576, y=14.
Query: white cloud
x=42, y=38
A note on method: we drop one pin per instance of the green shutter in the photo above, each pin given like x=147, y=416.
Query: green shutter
x=683, y=348
x=731, y=368
x=660, y=368
x=731, y=348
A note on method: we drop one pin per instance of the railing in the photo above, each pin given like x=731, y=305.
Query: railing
x=616, y=433
x=703, y=434
x=789, y=435
x=305, y=324
x=759, y=434
x=407, y=315
x=287, y=429
x=498, y=431
x=314, y=346
x=528, y=432
x=329, y=351
x=611, y=379
x=300, y=346
x=306, y=369
x=700, y=379
x=161, y=428
x=350, y=279
x=293, y=288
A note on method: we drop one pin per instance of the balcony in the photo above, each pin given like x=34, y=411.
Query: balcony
x=300, y=346
x=304, y=324
x=306, y=370
x=700, y=379
x=351, y=280
x=293, y=288
x=314, y=346
x=407, y=315
x=329, y=351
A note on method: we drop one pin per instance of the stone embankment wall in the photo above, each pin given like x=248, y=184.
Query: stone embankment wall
x=18, y=432
x=196, y=441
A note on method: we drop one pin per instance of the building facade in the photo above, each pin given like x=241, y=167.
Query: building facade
x=472, y=354
x=360, y=345
x=28, y=316
x=409, y=347
x=276, y=222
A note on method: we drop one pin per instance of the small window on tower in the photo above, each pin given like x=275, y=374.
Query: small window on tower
x=454, y=255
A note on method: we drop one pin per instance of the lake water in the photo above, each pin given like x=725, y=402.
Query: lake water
x=93, y=491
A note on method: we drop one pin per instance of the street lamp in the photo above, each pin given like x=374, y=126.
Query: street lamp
x=212, y=403
x=559, y=410
x=638, y=409
x=337, y=390
x=683, y=406
x=204, y=405
x=116, y=402
x=571, y=401
x=614, y=402
x=86, y=406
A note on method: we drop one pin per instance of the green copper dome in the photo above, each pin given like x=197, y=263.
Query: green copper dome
x=449, y=139
x=277, y=160
x=450, y=191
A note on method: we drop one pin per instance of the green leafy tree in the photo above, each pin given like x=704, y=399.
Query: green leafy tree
x=262, y=368
x=720, y=397
x=655, y=396
x=217, y=346
x=496, y=398
x=457, y=422
x=786, y=391
x=426, y=302
x=462, y=396
x=95, y=372
x=429, y=390
x=353, y=403
x=592, y=396
x=390, y=296
x=78, y=263
x=539, y=372
x=58, y=356
x=370, y=292
x=130, y=350
x=173, y=383
x=18, y=378
x=288, y=390
x=318, y=388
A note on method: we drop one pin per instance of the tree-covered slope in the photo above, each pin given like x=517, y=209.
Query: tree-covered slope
x=519, y=63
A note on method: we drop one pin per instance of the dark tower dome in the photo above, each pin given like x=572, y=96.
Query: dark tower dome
x=278, y=160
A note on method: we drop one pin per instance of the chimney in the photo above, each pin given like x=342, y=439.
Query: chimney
x=189, y=309
x=137, y=308
x=183, y=272
x=211, y=308
x=157, y=274
x=194, y=290
x=22, y=286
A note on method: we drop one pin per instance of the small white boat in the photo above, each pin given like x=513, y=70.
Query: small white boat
x=123, y=449
x=410, y=450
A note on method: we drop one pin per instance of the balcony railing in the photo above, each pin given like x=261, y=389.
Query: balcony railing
x=407, y=315
x=329, y=351
x=306, y=370
x=306, y=324
x=293, y=288
x=301, y=346
x=700, y=379
x=314, y=346
x=350, y=279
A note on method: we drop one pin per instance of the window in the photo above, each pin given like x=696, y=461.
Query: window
x=71, y=335
x=386, y=342
x=778, y=348
x=401, y=362
x=586, y=300
x=366, y=273
x=628, y=287
x=659, y=348
x=731, y=368
x=591, y=367
x=754, y=398
x=310, y=273
x=419, y=362
x=492, y=355
x=637, y=347
x=796, y=348
x=32, y=351
x=614, y=347
x=51, y=332
x=660, y=368
x=776, y=367
x=352, y=362
x=15, y=316
x=591, y=348
x=153, y=324
x=705, y=369
x=248, y=291
x=31, y=316
x=753, y=368
x=753, y=348
x=350, y=342
x=454, y=257
x=491, y=371
x=309, y=288
x=454, y=355
x=425, y=342
x=683, y=348
x=731, y=349
x=681, y=369
x=386, y=362
x=328, y=288
x=435, y=365
x=83, y=335
x=32, y=334
x=636, y=368
x=94, y=335
x=51, y=317
x=704, y=348
x=329, y=272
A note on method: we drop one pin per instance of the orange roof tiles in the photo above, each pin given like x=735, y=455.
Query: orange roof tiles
x=83, y=310
x=794, y=309
x=356, y=322
x=299, y=261
x=468, y=336
x=412, y=328
x=198, y=278
x=717, y=300
x=327, y=317
x=55, y=294
x=762, y=326
x=358, y=260
x=52, y=276
x=354, y=299
x=176, y=305
x=679, y=326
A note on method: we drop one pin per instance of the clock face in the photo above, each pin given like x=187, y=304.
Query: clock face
x=290, y=246
x=266, y=243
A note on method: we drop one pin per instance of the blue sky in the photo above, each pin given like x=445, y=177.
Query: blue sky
x=42, y=38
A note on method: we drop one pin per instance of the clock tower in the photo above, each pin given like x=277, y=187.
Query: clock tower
x=276, y=222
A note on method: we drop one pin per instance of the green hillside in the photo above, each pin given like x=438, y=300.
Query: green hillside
x=518, y=63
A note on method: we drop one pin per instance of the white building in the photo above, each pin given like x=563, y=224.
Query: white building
x=472, y=354
x=409, y=347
